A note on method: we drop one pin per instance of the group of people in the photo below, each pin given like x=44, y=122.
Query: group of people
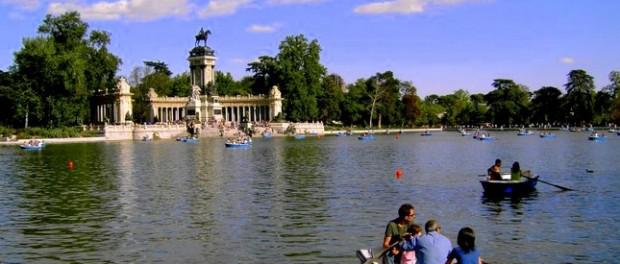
x=495, y=172
x=406, y=244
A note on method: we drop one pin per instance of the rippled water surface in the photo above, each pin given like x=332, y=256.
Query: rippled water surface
x=307, y=201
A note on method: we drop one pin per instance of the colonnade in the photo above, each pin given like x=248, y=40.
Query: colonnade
x=170, y=114
x=255, y=113
x=105, y=111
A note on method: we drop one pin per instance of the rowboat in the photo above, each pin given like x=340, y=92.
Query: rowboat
x=426, y=134
x=547, y=135
x=596, y=136
x=484, y=137
x=507, y=187
x=524, y=132
x=237, y=145
x=366, y=137
x=32, y=146
x=300, y=136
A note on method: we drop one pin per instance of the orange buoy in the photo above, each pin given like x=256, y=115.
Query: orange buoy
x=70, y=165
x=399, y=173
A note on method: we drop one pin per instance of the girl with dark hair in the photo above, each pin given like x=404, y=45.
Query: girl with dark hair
x=466, y=252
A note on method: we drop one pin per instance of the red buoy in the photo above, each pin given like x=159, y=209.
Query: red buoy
x=70, y=165
x=399, y=173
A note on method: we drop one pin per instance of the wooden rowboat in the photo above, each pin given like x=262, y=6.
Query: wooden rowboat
x=525, y=185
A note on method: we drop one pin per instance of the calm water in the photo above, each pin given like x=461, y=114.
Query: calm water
x=307, y=201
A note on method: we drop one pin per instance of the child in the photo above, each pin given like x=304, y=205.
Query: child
x=466, y=252
x=408, y=256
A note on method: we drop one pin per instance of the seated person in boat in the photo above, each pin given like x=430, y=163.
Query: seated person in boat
x=494, y=172
x=515, y=172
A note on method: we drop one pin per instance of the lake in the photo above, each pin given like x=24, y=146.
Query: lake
x=303, y=201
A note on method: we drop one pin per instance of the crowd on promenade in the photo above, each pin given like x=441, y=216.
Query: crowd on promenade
x=405, y=243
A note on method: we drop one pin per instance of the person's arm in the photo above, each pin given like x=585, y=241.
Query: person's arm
x=386, y=241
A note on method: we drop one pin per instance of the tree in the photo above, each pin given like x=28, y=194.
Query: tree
x=331, y=98
x=546, y=105
x=61, y=68
x=508, y=103
x=384, y=92
x=580, y=97
x=354, y=103
x=226, y=85
x=267, y=73
x=411, y=103
x=300, y=75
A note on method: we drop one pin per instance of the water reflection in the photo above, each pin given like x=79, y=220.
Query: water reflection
x=301, y=201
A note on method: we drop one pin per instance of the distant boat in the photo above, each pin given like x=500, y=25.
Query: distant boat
x=426, y=133
x=546, y=135
x=463, y=132
x=596, y=137
x=299, y=136
x=524, y=132
x=237, y=145
x=267, y=134
x=36, y=145
x=366, y=137
x=191, y=140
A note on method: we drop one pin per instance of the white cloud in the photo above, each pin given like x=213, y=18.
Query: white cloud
x=567, y=60
x=22, y=4
x=288, y=2
x=223, y=7
x=142, y=10
x=256, y=28
x=401, y=6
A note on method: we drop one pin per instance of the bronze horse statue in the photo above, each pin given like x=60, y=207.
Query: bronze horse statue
x=202, y=35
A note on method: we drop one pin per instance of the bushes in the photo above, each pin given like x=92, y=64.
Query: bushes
x=62, y=132
x=6, y=131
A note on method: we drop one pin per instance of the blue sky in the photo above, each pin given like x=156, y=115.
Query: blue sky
x=438, y=45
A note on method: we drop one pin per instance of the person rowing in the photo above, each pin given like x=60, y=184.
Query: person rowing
x=494, y=172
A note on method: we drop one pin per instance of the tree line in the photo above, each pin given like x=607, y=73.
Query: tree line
x=55, y=74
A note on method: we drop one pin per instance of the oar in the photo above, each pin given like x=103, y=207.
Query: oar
x=377, y=259
x=554, y=185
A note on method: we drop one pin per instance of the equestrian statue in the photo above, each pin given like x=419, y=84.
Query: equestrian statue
x=202, y=35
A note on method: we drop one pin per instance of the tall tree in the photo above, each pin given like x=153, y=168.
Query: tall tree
x=546, y=105
x=267, y=73
x=508, y=103
x=580, y=97
x=301, y=74
x=384, y=92
x=62, y=67
x=331, y=98
x=411, y=103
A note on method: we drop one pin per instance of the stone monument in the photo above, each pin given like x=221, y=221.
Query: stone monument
x=202, y=75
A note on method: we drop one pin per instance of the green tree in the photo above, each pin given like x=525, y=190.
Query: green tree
x=266, y=73
x=384, y=92
x=546, y=105
x=508, y=103
x=180, y=85
x=354, y=103
x=62, y=68
x=330, y=100
x=432, y=111
x=580, y=97
x=226, y=85
x=411, y=103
